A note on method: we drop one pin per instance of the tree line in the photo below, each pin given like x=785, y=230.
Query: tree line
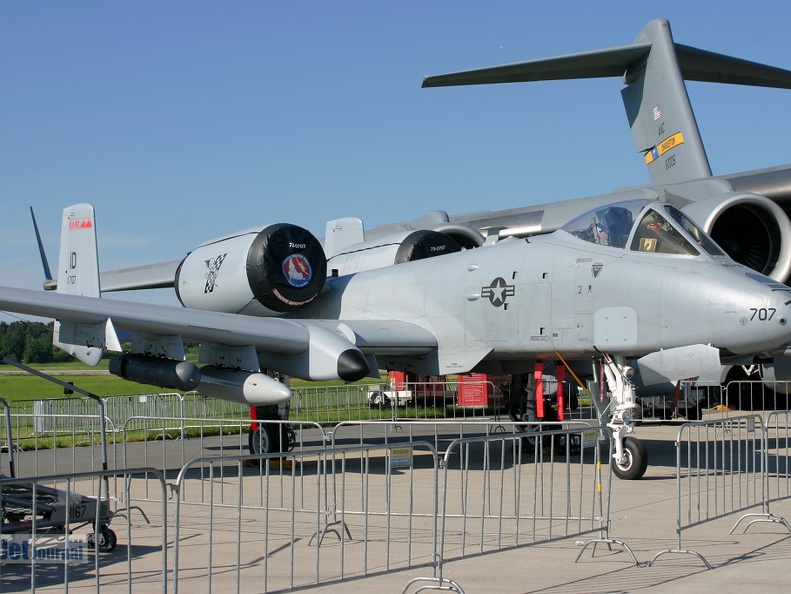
x=30, y=342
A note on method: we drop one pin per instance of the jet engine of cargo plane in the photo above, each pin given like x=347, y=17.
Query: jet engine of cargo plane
x=265, y=271
x=403, y=247
x=750, y=228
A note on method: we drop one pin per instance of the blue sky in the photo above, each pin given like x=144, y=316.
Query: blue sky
x=186, y=120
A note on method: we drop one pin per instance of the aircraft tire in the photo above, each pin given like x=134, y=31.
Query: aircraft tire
x=636, y=460
x=268, y=440
x=377, y=400
x=105, y=542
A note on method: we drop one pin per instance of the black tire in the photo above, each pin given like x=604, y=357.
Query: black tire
x=377, y=400
x=106, y=541
x=269, y=438
x=636, y=460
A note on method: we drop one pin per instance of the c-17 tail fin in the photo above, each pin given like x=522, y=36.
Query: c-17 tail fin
x=654, y=69
x=78, y=274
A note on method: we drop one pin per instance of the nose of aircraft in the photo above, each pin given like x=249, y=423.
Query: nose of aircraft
x=762, y=308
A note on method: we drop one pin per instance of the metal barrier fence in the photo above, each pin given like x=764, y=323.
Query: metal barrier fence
x=778, y=454
x=119, y=408
x=323, y=515
x=441, y=432
x=415, y=400
x=528, y=492
x=166, y=445
x=756, y=395
x=330, y=404
x=7, y=442
x=720, y=470
x=53, y=534
x=305, y=518
x=317, y=517
x=51, y=450
x=776, y=470
x=44, y=432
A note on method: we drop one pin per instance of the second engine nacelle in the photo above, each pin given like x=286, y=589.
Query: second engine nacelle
x=265, y=271
x=401, y=247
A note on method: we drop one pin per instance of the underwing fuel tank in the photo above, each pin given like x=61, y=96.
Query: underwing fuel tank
x=246, y=387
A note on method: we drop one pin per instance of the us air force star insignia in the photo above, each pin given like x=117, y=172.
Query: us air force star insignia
x=498, y=291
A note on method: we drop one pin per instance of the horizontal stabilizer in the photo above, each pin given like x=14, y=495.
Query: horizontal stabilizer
x=695, y=64
x=151, y=276
x=678, y=363
x=703, y=66
x=595, y=64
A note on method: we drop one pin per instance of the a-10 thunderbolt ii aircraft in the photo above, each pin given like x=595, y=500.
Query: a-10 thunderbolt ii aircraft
x=629, y=279
x=636, y=279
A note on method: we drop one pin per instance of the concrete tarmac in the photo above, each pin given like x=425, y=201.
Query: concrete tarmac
x=643, y=515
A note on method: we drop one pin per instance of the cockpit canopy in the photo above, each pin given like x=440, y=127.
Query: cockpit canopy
x=644, y=226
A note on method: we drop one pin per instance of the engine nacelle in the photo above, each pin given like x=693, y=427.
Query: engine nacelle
x=266, y=271
x=752, y=229
x=403, y=247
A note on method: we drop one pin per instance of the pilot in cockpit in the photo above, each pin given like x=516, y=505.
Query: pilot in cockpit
x=613, y=226
x=656, y=234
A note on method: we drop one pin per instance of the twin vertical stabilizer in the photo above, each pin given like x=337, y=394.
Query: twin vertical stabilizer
x=78, y=274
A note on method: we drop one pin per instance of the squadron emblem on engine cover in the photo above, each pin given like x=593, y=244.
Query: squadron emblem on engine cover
x=213, y=266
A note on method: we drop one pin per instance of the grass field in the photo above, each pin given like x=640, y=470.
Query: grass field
x=18, y=385
x=14, y=387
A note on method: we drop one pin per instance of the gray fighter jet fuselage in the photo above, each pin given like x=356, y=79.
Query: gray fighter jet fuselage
x=578, y=291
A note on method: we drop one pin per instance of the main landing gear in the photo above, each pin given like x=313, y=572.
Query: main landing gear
x=630, y=459
x=527, y=402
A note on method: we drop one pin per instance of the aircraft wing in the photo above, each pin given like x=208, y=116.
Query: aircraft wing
x=772, y=182
x=310, y=349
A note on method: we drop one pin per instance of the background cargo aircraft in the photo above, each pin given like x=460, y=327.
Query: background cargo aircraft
x=623, y=276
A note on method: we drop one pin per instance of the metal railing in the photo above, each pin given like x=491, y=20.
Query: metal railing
x=528, y=492
x=305, y=518
x=720, y=471
x=58, y=527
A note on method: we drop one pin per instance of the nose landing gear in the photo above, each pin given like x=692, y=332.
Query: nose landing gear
x=630, y=459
